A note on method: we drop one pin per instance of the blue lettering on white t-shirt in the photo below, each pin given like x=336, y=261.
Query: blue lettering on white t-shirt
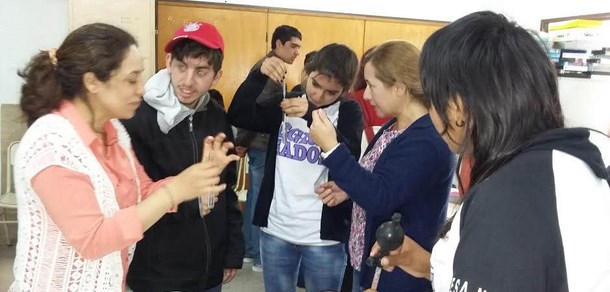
x=298, y=145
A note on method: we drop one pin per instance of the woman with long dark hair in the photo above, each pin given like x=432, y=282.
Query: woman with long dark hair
x=537, y=188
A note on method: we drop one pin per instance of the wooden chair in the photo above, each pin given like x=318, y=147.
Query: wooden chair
x=241, y=186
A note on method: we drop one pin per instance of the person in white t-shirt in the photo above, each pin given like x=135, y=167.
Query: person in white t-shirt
x=297, y=228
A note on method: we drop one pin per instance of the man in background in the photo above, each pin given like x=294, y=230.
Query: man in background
x=285, y=47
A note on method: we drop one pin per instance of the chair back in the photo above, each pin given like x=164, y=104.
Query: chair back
x=242, y=175
x=10, y=162
x=8, y=199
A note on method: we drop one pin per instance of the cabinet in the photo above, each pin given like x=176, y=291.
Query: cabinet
x=585, y=101
x=416, y=32
x=317, y=32
x=247, y=34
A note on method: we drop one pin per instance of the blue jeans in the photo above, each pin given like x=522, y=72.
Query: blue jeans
x=256, y=169
x=322, y=266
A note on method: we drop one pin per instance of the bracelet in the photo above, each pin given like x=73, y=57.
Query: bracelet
x=169, y=194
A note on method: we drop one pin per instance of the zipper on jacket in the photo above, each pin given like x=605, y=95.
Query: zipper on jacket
x=193, y=139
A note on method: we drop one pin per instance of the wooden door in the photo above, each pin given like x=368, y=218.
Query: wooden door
x=415, y=32
x=317, y=32
x=243, y=31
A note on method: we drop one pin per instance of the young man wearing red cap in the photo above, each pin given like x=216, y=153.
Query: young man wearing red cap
x=200, y=246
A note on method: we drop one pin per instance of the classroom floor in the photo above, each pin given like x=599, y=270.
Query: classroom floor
x=246, y=279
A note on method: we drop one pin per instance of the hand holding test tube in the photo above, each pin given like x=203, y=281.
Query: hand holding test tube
x=206, y=202
x=215, y=150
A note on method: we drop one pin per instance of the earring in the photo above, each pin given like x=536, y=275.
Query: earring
x=460, y=124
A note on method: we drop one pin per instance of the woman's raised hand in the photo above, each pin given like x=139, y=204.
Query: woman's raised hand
x=204, y=177
x=215, y=150
x=322, y=131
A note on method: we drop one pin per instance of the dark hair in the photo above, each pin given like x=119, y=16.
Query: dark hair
x=284, y=33
x=359, y=82
x=309, y=56
x=192, y=49
x=506, y=82
x=336, y=61
x=217, y=96
x=97, y=48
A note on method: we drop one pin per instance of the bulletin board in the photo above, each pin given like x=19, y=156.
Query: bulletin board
x=135, y=16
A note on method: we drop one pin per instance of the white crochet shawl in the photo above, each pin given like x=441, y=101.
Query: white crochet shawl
x=45, y=261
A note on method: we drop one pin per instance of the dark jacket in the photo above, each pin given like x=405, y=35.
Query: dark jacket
x=256, y=107
x=251, y=139
x=412, y=176
x=522, y=227
x=183, y=251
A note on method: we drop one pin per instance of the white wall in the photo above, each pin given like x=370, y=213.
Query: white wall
x=585, y=102
x=25, y=27
x=29, y=25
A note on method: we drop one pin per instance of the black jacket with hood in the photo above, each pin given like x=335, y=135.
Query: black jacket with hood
x=538, y=222
x=182, y=251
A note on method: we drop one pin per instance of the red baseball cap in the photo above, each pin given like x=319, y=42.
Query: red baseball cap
x=201, y=32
